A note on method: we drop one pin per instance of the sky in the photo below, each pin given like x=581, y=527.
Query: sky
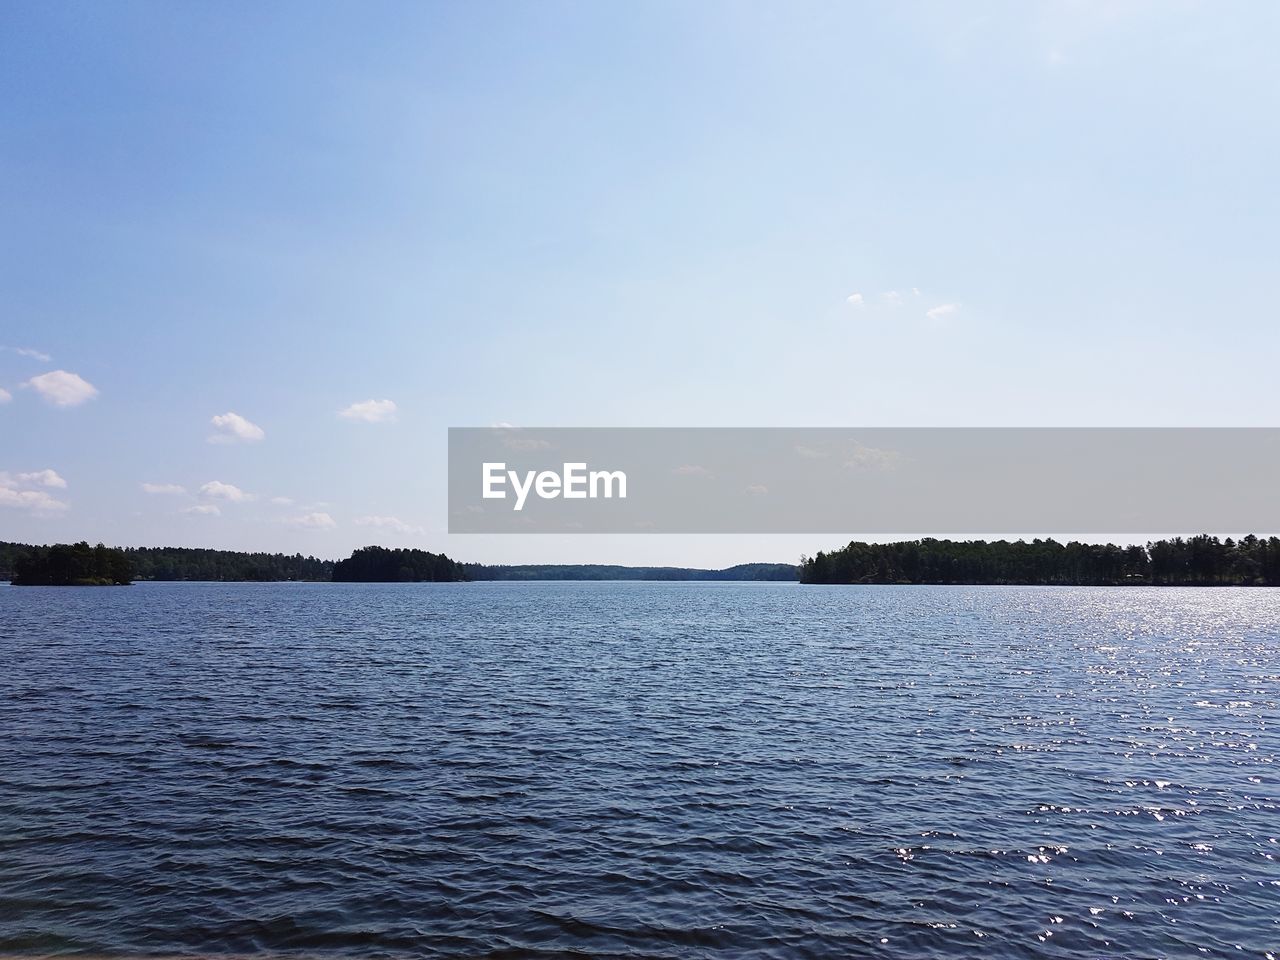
x=255, y=259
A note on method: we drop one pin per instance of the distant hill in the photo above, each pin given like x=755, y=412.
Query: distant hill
x=600, y=571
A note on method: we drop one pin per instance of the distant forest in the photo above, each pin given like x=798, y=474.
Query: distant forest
x=378, y=564
x=72, y=565
x=186, y=563
x=1194, y=561
x=597, y=571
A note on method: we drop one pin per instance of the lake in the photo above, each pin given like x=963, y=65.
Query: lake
x=640, y=770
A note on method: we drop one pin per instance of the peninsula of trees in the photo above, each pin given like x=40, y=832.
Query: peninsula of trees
x=1194, y=561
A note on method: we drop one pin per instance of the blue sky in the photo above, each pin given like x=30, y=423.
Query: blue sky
x=602, y=214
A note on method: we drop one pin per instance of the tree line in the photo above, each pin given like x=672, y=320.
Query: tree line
x=1194, y=561
x=187, y=563
x=381, y=564
x=72, y=564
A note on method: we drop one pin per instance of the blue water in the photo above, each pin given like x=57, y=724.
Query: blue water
x=640, y=770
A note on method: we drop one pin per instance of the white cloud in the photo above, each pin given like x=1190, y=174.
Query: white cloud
x=217, y=490
x=234, y=428
x=282, y=501
x=63, y=389
x=940, y=311
x=388, y=523
x=36, y=501
x=43, y=478
x=854, y=300
x=691, y=470
x=163, y=488
x=892, y=297
x=315, y=521
x=5, y=395
x=370, y=411
x=17, y=493
x=203, y=510
x=757, y=489
x=28, y=352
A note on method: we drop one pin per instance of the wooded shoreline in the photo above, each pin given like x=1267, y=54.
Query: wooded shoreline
x=1190, y=562
x=1195, y=561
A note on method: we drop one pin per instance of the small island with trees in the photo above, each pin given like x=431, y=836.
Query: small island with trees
x=381, y=565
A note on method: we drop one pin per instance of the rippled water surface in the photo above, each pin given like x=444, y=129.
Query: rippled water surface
x=641, y=770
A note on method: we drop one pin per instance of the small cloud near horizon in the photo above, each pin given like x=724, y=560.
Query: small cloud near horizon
x=5, y=395
x=892, y=297
x=61, y=388
x=163, y=488
x=691, y=470
x=854, y=300
x=940, y=311
x=203, y=510
x=757, y=489
x=233, y=428
x=370, y=411
x=217, y=490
